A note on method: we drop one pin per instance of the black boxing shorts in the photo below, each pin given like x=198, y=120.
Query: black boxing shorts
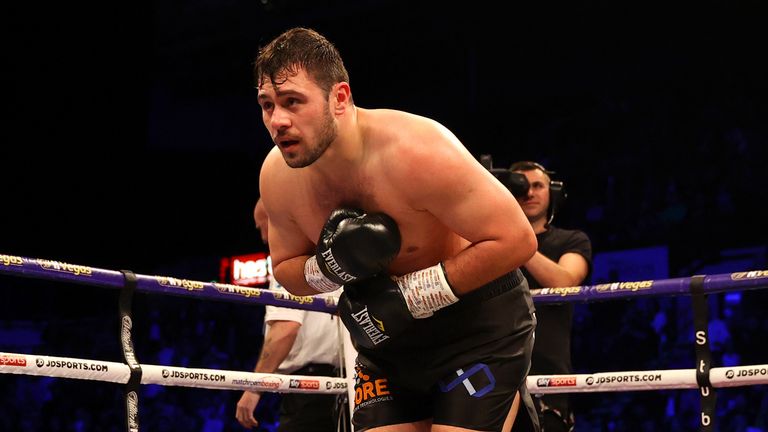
x=461, y=367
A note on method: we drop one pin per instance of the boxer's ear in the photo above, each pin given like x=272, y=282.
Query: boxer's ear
x=340, y=97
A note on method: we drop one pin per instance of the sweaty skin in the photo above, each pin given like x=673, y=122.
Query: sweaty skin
x=447, y=206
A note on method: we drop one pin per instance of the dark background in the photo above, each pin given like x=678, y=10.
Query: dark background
x=132, y=137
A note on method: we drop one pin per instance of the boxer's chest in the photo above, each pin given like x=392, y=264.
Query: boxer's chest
x=425, y=240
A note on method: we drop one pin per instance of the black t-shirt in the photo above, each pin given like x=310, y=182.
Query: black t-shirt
x=552, y=349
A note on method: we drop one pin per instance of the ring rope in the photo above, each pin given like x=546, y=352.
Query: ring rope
x=58, y=270
x=129, y=355
x=717, y=283
x=97, y=370
x=61, y=271
x=735, y=376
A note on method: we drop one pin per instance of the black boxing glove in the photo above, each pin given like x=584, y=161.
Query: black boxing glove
x=379, y=309
x=373, y=311
x=352, y=246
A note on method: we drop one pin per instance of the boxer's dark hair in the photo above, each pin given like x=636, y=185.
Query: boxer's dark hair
x=296, y=49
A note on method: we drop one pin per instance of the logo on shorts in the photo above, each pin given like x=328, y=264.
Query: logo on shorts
x=464, y=378
x=370, y=391
x=372, y=327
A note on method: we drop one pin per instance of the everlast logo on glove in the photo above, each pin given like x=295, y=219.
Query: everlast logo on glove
x=375, y=332
x=333, y=266
x=353, y=246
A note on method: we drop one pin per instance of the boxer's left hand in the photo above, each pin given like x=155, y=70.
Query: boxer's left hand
x=353, y=245
x=379, y=309
x=426, y=291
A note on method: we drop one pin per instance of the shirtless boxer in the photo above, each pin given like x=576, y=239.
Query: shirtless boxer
x=426, y=242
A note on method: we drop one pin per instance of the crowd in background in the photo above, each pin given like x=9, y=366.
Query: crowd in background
x=187, y=332
x=694, y=199
x=660, y=138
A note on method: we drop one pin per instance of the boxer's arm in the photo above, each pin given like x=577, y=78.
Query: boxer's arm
x=289, y=247
x=447, y=181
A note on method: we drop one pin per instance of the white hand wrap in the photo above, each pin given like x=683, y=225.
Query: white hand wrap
x=426, y=291
x=316, y=279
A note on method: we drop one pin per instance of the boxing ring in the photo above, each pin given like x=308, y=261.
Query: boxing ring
x=132, y=374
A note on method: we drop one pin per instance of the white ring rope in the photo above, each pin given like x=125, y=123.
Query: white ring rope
x=97, y=370
x=735, y=376
x=77, y=368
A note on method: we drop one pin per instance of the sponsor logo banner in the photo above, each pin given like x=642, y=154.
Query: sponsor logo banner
x=271, y=382
x=10, y=260
x=622, y=378
x=71, y=364
x=556, y=382
x=193, y=376
x=755, y=274
x=13, y=360
x=743, y=373
x=625, y=286
x=188, y=285
x=63, y=267
x=304, y=384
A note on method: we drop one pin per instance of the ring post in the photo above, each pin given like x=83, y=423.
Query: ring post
x=129, y=355
x=703, y=354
